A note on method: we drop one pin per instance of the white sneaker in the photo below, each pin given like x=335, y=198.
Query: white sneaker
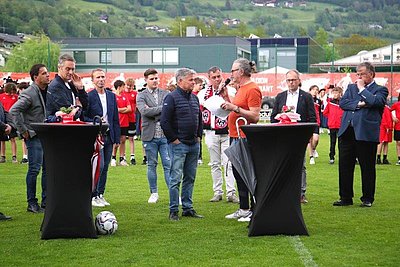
x=96, y=202
x=238, y=214
x=246, y=218
x=153, y=198
x=180, y=201
x=123, y=163
x=315, y=154
x=103, y=200
x=312, y=161
x=113, y=162
x=199, y=162
x=398, y=163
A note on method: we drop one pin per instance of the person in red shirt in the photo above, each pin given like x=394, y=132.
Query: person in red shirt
x=385, y=136
x=334, y=114
x=130, y=93
x=312, y=145
x=396, y=119
x=8, y=98
x=124, y=108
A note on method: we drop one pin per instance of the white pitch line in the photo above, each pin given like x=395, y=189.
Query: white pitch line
x=302, y=251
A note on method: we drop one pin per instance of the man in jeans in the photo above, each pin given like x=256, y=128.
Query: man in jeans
x=31, y=108
x=181, y=123
x=149, y=103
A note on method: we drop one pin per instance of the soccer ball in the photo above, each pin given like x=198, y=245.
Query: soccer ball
x=106, y=223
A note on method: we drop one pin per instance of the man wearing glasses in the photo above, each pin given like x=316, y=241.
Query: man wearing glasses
x=363, y=104
x=303, y=104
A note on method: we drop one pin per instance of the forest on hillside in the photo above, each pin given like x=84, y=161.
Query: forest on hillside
x=128, y=18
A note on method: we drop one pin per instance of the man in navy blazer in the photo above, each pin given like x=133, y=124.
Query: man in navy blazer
x=103, y=103
x=303, y=103
x=363, y=104
x=66, y=90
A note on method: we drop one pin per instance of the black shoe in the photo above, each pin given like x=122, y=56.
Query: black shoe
x=173, y=216
x=133, y=161
x=341, y=202
x=191, y=213
x=366, y=204
x=43, y=205
x=144, y=162
x=385, y=161
x=378, y=161
x=24, y=161
x=34, y=208
x=4, y=217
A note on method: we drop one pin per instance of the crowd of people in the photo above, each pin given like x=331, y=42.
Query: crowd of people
x=171, y=122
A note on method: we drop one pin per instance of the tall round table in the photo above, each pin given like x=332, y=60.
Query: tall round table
x=278, y=152
x=68, y=149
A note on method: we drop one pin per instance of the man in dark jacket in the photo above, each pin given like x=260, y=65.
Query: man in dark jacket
x=302, y=103
x=66, y=90
x=182, y=125
x=31, y=108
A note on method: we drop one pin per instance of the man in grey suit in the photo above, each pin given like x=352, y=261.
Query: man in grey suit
x=149, y=103
x=31, y=108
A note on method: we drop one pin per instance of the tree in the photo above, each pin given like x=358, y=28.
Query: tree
x=356, y=43
x=33, y=51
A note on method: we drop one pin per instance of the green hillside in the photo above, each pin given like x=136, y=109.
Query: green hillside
x=129, y=18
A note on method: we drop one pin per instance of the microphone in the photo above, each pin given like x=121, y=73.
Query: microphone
x=227, y=81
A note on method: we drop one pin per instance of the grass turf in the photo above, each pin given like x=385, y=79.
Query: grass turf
x=339, y=236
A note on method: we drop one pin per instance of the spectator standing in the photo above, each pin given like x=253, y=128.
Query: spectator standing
x=363, y=104
x=312, y=145
x=5, y=129
x=22, y=86
x=181, y=123
x=334, y=114
x=302, y=102
x=150, y=103
x=130, y=93
x=8, y=99
x=31, y=108
x=396, y=120
x=246, y=104
x=103, y=103
x=198, y=86
x=124, y=108
x=385, y=136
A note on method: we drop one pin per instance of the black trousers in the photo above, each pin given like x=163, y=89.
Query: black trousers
x=333, y=136
x=349, y=150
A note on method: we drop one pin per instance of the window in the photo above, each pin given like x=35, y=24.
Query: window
x=386, y=57
x=131, y=56
x=243, y=54
x=105, y=56
x=80, y=57
x=165, y=56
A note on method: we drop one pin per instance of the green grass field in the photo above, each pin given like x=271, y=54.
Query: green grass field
x=339, y=236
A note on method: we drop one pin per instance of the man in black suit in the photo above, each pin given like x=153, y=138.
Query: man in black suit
x=363, y=104
x=302, y=103
x=66, y=90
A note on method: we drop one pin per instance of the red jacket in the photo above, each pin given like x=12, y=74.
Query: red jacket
x=396, y=108
x=387, y=121
x=334, y=114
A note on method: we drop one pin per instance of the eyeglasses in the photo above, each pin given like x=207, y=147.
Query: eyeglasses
x=291, y=80
x=232, y=71
x=362, y=74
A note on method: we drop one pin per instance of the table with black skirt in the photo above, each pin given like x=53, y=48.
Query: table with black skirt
x=278, y=152
x=68, y=149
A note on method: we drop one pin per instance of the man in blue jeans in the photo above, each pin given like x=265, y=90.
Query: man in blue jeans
x=31, y=108
x=149, y=103
x=182, y=125
x=103, y=103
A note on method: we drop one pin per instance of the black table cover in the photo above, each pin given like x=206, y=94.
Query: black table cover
x=68, y=149
x=278, y=153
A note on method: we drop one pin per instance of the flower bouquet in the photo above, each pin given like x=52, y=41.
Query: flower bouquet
x=288, y=115
x=65, y=114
